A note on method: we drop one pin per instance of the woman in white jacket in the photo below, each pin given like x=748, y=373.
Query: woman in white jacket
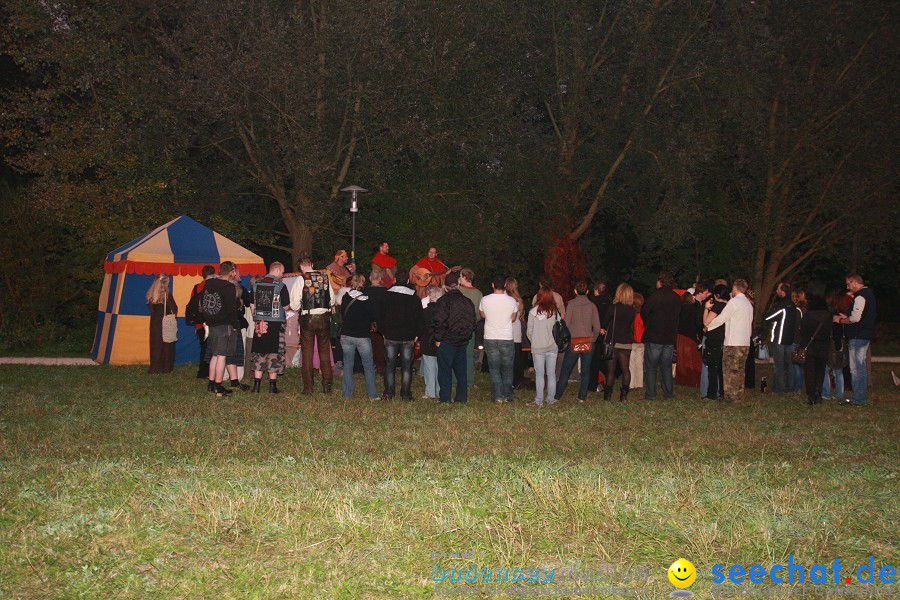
x=541, y=320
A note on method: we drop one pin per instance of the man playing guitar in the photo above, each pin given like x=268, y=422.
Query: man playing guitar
x=430, y=270
x=339, y=272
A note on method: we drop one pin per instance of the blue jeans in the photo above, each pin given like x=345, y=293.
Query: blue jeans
x=451, y=360
x=859, y=370
x=704, y=380
x=784, y=368
x=545, y=364
x=430, y=373
x=407, y=350
x=795, y=381
x=838, y=392
x=349, y=346
x=500, y=356
x=658, y=355
x=568, y=364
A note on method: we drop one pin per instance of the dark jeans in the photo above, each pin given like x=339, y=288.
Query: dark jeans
x=406, y=350
x=784, y=373
x=314, y=329
x=712, y=357
x=568, y=364
x=500, y=357
x=658, y=355
x=452, y=361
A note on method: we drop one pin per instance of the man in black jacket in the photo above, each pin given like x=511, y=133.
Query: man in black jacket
x=400, y=322
x=784, y=326
x=660, y=313
x=453, y=324
x=219, y=306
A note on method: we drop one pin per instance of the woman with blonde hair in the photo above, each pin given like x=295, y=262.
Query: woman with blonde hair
x=512, y=289
x=618, y=322
x=161, y=303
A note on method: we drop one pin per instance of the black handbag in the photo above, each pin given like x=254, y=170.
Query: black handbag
x=799, y=355
x=608, y=348
x=561, y=334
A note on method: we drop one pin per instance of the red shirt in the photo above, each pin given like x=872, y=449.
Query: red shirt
x=384, y=261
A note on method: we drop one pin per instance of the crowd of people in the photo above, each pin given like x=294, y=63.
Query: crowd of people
x=702, y=337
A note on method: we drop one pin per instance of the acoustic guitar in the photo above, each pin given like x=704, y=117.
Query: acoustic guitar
x=422, y=277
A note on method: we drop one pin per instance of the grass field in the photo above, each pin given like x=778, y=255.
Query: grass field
x=114, y=483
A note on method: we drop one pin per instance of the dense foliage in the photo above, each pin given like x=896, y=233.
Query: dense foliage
x=709, y=137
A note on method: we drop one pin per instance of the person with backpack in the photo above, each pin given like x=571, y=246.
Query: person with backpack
x=219, y=306
x=193, y=316
x=270, y=301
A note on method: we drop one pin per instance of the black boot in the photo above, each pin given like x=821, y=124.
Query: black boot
x=623, y=394
x=273, y=386
x=236, y=384
x=211, y=387
x=810, y=399
x=607, y=393
x=220, y=390
x=256, y=384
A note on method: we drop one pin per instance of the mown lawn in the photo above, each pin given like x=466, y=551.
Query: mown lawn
x=114, y=483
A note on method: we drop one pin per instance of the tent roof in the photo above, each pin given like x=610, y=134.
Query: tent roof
x=181, y=247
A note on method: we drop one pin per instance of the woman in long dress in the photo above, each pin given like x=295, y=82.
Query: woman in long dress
x=161, y=302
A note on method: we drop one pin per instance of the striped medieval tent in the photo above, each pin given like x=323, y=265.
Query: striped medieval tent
x=180, y=248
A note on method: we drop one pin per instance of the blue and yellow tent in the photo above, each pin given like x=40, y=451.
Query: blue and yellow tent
x=180, y=248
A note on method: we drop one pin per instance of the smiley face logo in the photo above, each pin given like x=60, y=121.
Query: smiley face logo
x=682, y=573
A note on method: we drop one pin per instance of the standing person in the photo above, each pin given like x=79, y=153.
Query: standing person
x=375, y=291
x=426, y=342
x=357, y=316
x=860, y=332
x=833, y=383
x=701, y=294
x=544, y=284
x=798, y=297
x=311, y=296
x=690, y=362
x=814, y=333
x=234, y=360
x=714, y=347
x=400, y=321
x=541, y=320
x=452, y=325
x=385, y=264
x=219, y=306
x=467, y=288
x=270, y=301
x=499, y=312
x=660, y=313
x=737, y=318
x=618, y=324
x=339, y=272
x=784, y=319
x=636, y=364
x=161, y=302
x=583, y=321
x=602, y=301
x=200, y=330
x=512, y=290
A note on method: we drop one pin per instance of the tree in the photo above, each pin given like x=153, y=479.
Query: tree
x=806, y=98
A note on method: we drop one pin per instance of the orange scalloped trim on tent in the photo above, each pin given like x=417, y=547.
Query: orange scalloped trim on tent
x=184, y=269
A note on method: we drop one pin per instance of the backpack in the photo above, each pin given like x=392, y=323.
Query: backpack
x=192, y=313
x=210, y=303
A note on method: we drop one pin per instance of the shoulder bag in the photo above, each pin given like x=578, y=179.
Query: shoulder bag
x=169, y=325
x=799, y=355
x=561, y=334
x=608, y=349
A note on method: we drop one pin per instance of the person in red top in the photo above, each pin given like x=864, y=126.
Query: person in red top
x=430, y=270
x=636, y=362
x=386, y=264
